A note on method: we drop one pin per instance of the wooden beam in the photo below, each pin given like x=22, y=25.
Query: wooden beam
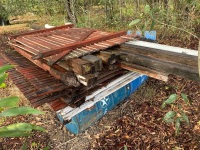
x=169, y=56
x=153, y=59
x=81, y=67
x=97, y=62
x=108, y=57
x=143, y=70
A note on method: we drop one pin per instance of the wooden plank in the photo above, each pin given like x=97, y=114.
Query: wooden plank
x=169, y=56
x=161, y=47
x=97, y=62
x=144, y=70
x=81, y=67
x=162, y=66
x=107, y=57
x=87, y=80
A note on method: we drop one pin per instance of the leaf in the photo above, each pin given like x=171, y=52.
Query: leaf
x=151, y=14
x=9, y=102
x=169, y=116
x=47, y=148
x=125, y=147
x=38, y=128
x=152, y=24
x=24, y=146
x=144, y=27
x=5, y=68
x=172, y=98
x=185, y=98
x=21, y=127
x=177, y=125
x=3, y=85
x=1, y=109
x=134, y=22
x=185, y=117
x=13, y=134
x=147, y=9
x=20, y=111
x=163, y=105
x=3, y=77
x=33, y=144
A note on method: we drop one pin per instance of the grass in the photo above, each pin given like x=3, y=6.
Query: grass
x=13, y=28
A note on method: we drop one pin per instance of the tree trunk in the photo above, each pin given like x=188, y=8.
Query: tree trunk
x=4, y=22
x=70, y=13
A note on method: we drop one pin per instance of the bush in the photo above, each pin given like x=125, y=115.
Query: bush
x=9, y=108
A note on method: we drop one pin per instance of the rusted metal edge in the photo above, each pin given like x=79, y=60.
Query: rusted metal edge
x=79, y=44
x=40, y=91
x=37, y=62
x=144, y=70
x=41, y=31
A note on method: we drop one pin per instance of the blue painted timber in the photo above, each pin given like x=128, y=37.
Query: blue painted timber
x=88, y=117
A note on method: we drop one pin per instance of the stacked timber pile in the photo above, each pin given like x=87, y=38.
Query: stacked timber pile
x=158, y=61
x=62, y=65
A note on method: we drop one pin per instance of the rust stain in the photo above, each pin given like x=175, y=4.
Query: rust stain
x=146, y=71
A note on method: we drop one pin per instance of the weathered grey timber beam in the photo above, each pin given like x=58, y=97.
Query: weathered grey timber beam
x=158, y=61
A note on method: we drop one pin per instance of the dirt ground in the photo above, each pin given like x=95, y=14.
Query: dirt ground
x=135, y=124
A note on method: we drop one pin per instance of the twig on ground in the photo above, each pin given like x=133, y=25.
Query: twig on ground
x=65, y=142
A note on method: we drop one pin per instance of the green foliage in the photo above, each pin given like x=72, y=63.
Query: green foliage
x=125, y=147
x=3, y=74
x=169, y=116
x=19, y=130
x=20, y=111
x=146, y=19
x=11, y=104
x=177, y=115
x=167, y=17
x=172, y=98
x=185, y=98
x=3, y=12
x=3, y=77
x=134, y=22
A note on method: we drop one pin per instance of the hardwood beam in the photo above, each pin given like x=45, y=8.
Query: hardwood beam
x=154, y=59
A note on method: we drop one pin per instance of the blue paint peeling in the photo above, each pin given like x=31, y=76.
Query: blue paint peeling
x=88, y=117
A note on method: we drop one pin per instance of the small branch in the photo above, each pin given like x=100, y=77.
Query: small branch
x=176, y=28
x=65, y=142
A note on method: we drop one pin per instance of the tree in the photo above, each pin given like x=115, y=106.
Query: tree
x=3, y=16
x=69, y=4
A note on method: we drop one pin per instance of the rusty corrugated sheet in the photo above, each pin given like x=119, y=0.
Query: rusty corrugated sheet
x=45, y=48
x=37, y=85
x=69, y=42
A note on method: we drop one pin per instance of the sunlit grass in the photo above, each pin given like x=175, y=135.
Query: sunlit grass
x=13, y=28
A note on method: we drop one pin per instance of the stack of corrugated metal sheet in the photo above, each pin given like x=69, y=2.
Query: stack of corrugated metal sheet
x=62, y=65
x=73, y=71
